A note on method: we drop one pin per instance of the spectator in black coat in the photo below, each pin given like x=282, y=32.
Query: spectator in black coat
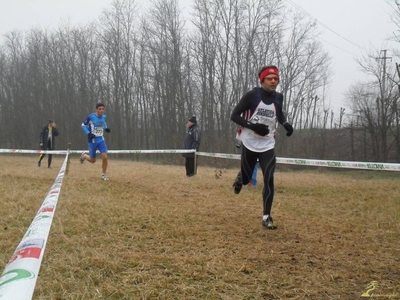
x=192, y=141
x=47, y=141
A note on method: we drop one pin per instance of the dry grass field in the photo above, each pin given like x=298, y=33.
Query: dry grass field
x=152, y=233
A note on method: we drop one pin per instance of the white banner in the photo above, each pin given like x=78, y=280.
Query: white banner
x=318, y=163
x=280, y=160
x=20, y=275
x=109, y=151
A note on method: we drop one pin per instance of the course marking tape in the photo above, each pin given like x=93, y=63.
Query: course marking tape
x=18, y=280
x=109, y=151
x=318, y=163
x=281, y=160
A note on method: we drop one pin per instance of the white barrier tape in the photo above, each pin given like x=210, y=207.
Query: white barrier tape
x=109, y=151
x=291, y=161
x=319, y=163
x=340, y=164
x=151, y=151
x=34, y=151
x=221, y=155
x=20, y=275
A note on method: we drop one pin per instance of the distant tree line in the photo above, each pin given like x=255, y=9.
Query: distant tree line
x=155, y=69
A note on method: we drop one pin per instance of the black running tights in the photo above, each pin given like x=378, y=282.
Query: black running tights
x=267, y=161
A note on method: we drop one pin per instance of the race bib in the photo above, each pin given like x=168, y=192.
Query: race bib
x=98, y=131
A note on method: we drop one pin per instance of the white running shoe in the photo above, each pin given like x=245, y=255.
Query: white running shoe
x=82, y=158
x=104, y=177
x=268, y=223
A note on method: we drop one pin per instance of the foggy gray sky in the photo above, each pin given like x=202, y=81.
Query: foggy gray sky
x=350, y=29
x=342, y=23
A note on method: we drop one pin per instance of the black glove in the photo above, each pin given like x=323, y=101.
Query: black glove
x=91, y=136
x=289, y=128
x=260, y=129
x=107, y=130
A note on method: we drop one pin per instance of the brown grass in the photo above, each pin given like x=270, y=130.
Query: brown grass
x=152, y=233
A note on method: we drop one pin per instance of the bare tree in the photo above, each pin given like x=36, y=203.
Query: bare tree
x=164, y=41
x=305, y=70
x=118, y=44
x=154, y=73
x=374, y=102
x=396, y=36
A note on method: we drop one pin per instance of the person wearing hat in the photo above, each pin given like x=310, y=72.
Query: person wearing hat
x=192, y=141
x=47, y=141
x=258, y=113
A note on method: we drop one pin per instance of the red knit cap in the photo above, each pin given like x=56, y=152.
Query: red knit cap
x=267, y=72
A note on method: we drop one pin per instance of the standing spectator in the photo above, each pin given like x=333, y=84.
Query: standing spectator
x=47, y=141
x=192, y=141
x=94, y=127
x=258, y=113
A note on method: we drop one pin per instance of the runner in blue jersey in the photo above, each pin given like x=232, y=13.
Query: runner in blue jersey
x=94, y=126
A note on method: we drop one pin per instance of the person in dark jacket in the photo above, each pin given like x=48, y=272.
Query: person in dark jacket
x=258, y=113
x=192, y=141
x=47, y=141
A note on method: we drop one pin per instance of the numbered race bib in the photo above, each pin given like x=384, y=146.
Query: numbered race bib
x=98, y=131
